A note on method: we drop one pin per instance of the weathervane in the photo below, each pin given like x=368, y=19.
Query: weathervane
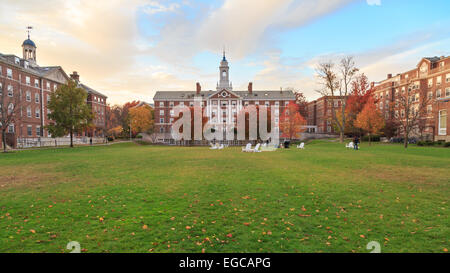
x=29, y=28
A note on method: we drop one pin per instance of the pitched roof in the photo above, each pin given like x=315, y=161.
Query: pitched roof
x=90, y=90
x=255, y=95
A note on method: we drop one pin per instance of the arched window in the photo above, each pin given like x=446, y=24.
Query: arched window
x=224, y=73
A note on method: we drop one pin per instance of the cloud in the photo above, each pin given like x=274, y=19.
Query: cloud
x=156, y=7
x=374, y=2
x=242, y=26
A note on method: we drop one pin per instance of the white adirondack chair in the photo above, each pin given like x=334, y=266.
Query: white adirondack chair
x=220, y=147
x=214, y=147
x=247, y=148
x=301, y=146
x=350, y=145
x=256, y=150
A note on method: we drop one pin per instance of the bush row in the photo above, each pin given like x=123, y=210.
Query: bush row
x=433, y=143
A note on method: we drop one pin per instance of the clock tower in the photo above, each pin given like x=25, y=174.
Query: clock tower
x=224, y=71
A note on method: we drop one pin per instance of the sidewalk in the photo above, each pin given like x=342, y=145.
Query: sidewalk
x=67, y=146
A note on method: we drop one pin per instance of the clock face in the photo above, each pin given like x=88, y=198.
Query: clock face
x=224, y=94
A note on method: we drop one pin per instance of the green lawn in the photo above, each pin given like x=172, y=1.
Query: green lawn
x=130, y=198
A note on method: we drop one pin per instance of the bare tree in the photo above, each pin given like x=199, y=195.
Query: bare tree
x=411, y=103
x=10, y=106
x=337, y=84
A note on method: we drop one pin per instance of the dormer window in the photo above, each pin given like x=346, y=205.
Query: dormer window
x=17, y=60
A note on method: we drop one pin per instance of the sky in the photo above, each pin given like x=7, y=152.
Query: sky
x=130, y=49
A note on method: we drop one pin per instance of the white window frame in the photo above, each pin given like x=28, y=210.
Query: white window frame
x=442, y=131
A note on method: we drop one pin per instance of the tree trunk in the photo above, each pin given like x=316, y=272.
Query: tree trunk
x=341, y=137
x=370, y=144
x=406, y=140
x=4, y=140
x=71, y=138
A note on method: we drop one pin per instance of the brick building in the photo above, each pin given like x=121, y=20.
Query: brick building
x=430, y=78
x=320, y=114
x=224, y=103
x=25, y=84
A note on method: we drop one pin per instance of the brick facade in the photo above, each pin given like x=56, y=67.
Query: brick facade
x=320, y=113
x=23, y=81
x=431, y=78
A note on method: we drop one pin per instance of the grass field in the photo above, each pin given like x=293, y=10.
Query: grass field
x=131, y=198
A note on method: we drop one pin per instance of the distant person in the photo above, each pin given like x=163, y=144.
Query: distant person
x=90, y=141
x=355, y=143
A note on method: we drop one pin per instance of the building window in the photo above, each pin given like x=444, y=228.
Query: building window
x=171, y=113
x=9, y=73
x=161, y=103
x=171, y=104
x=439, y=80
x=36, y=83
x=430, y=83
x=181, y=103
x=161, y=120
x=38, y=131
x=447, y=92
x=161, y=130
x=438, y=93
x=37, y=113
x=28, y=96
x=429, y=109
x=267, y=103
x=161, y=112
x=27, y=80
x=286, y=103
x=447, y=78
x=55, y=87
x=48, y=86
x=36, y=97
x=430, y=95
x=443, y=122
x=1, y=89
x=256, y=102
x=29, y=111
x=11, y=128
x=29, y=130
x=10, y=91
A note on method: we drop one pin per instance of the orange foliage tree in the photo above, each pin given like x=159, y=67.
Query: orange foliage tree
x=141, y=119
x=370, y=119
x=291, y=122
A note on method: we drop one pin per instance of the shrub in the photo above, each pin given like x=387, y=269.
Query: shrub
x=429, y=143
x=421, y=143
x=374, y=138
x=110, y=138
x=447, y=144
x=139, y=136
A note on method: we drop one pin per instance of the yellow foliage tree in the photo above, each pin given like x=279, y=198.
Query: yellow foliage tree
x=141, y=119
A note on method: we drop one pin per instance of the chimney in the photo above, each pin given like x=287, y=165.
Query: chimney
x=199, y=88
x=389, y=76
x=250, y=87
x=74, y=76
x=372, y=84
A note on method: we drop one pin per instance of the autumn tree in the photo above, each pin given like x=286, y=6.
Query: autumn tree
x=114, y=117
x=292, y=124
x=336, y=84
x=69, y=111
x=370, y=119
x=301, y=101
x=125, y=117
x=411, y=104
x=10, y=105
x=362, y=92
x=141, y=119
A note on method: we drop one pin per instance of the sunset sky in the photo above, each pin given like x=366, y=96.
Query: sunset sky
x=130, y=49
